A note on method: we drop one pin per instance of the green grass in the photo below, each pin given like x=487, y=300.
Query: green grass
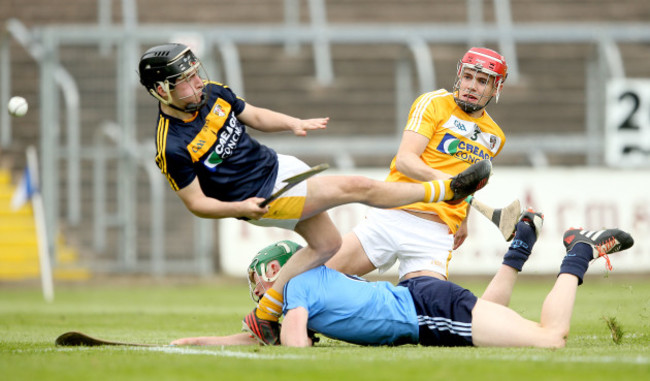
x=158, y=313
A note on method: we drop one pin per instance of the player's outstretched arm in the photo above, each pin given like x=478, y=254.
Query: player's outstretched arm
x=207, y=207
x=243, y=338
x=266, y=120
x=294, y=328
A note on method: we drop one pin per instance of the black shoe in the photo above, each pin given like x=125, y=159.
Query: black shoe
x=265, y=331
x=470, y=180
x=603, y=242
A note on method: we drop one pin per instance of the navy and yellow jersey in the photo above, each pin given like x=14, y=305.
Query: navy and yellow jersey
x=214, y=145
x=456, y=141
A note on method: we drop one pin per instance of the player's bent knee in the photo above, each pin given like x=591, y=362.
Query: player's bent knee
x=556, y=339
x=329, y=248
x=325, y=245
x=557, y=344
x=321, y=235
x=358, y=185
x=561, y=340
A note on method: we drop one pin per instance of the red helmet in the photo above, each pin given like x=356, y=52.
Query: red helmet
x=485, y=61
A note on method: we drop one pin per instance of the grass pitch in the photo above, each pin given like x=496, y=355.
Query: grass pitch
x=160, y=312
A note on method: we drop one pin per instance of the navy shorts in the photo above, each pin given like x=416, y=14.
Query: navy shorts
x=444, y=311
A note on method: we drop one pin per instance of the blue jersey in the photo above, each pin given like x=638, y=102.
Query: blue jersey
x=354, y=310
x=214, y=145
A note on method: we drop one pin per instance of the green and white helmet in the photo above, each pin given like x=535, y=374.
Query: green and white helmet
x=280, y=251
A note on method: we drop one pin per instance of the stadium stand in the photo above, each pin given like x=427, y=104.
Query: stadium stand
x=549, y=97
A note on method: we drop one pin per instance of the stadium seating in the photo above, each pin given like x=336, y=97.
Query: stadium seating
x=549, y=97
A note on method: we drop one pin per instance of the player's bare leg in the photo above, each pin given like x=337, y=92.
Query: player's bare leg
x=323, y=240
x=500, y=288
x=326, y=192
x=496, y=325
x=558, y=305
x=527, y=230
x=351, y=258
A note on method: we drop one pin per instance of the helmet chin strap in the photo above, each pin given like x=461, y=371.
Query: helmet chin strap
x=470, y=107
x=264, y=277
x=190, y=107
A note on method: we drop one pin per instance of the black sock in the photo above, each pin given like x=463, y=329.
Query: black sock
x=576, y=261
x=520, y=247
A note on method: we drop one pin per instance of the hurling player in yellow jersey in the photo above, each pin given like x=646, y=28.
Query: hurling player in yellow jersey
x=446, y=132
x=218, y=170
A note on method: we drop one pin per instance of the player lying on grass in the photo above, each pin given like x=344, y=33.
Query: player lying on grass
x=219, y=171
x=426, y=310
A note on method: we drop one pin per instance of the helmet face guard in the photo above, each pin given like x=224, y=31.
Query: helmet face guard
x=280, y=251
x=481, y=60
x=167, y=65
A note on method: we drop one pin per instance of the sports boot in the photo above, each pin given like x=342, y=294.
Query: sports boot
x=603, y=242
x=470, y=180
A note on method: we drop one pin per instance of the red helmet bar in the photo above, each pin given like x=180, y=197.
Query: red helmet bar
x=485, y=60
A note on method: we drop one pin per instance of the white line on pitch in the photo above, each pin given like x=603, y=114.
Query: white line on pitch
x=221, y=353
x=185, y=351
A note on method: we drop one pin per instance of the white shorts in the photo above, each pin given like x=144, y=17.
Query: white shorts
x=387, y=235
x=285, y=212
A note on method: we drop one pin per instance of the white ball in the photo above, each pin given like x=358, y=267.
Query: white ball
x=17, y=106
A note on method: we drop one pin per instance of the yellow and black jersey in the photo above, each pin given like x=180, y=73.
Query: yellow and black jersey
x=456, y=140
x=214, y=145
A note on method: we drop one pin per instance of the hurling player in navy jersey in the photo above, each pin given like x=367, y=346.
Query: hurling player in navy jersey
x=219, y=171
